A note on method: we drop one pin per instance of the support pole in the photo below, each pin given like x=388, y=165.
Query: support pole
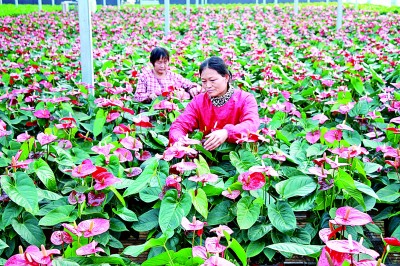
x=197, y=3
x=166, y=14
x=339, y=15
x=40, y=5
x=104, y=2
x=16, y=3
x=296, y=7
x=119, y=4
x=187, y=8
x=85, y=33
x=52, y=2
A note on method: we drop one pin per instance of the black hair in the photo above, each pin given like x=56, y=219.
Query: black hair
x=158, y=53
x=217, y=64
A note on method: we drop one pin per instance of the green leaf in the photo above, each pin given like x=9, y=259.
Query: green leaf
x=118, y=195
x=3, y=245
x=296, y=186
x=366, y=189
x=221, y=214
x=255, y=248
x=29, y=230
x=63, y=262
x=247, y=212
x=360, y=108
x=375, y=76
x=388, y=193
x=45, y=194
x=344, y=182
x=239, y=251
x=316, y=150
x=147, y=221
x=199, y=201
x=371, y=167
x=99, y=122
x=22, y=191
x=242, y=160
x=117, y=226
x=45, y=174
x=59, y=215
x=126, y=214
x=202, y=166
x=352, y=137
x=258, y=231
x=282, y=217
x=144, y=178
x=150, y=194
x=173, y=209
x=135, y=251
x=357, y=85
x=205, y=152
x=298, y=249
x=10, y=212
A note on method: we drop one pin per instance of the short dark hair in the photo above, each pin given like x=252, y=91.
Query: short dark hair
x=217, y=64
x=158, y=53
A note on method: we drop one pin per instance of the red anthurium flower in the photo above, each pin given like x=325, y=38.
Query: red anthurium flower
x=43, y=256
x=213, y=246
x=112, y=115
x=85, y=169
x=192, y=225
x=183, y=166
x=217, y=261
x=333, y=135
x=394, y=130
x=131, y=143
x=94, y=227
x=251, y=181
x=23, y=137
x=42, y=114
x=88, y=249
x=104, y=178
x=105, y=150
x=199, y=251
x=313, y=137
x=350, y=216
x=96, y=199
x=133, y=171
x=231, y=194
x=76, y=197
x=60, y=237
x=321, y=118
x=392, y=241
x=123, y=155
x=337, y=258
x=142, y=121
x=395, y=163
x=220, y=230
x=121, y=129
x=66, y=122
x=143, y=155
x=127, y=110
x=45, y=138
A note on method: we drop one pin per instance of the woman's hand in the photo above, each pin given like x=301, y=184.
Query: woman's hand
x=215, y=139
x=195, y=90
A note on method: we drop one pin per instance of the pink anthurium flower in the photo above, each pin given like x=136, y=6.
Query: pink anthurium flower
x=88, y=249
x=217, y=261
x=23, y=137
x=231, y=194
x=199, y=251
x=133, y=171
x=45, y=138
x=43, y=256
x=333, y=135
x=103, y=178
x=368, y=263
x=60, y=237
x=76, y=197
x=105, y=150
x=66, y=123
x=251, y=181
x=84, y=169
x=337, y=258
x=23, y=258
x=194, y=225
x=350, y=247
x=94, y=227
x=3, y=129
x=143, y=155
x=124, y=155
x=112, y=115
x=121, y=129
x=45, y=114
x=344, y=127
x=220, y=230
x=142, y=121
x=65, y=144
x=166, y=105
x=131, y=143
x=204, y=178
x=96, y=199
x=72, y=228
x=15, y=163
x=188, y=141
x=321, y=118
x=184, y=166
x=213, y=246
x=395, y=120
x=267, y=170
x=313, y=137
x=350, y=216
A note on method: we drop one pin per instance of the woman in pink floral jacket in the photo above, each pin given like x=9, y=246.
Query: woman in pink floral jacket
x=221, y=112
x=153, y=82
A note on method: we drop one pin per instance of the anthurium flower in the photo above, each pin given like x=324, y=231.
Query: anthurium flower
x=3, y=129
x=142, y=121
x=88, y=249
x=23, y=258
x=15, y=163
x=133, y=171
x=217, y=261
x=23, y=137
x=124, y=155
x=313, y=137
x=142, y=155
x=327, y=233
x=66, y=123
x=333, y=135
x=350, y=246
x=193, y=225
x=337, y=258
x=395, y=120
x=112, y=115
x=105, y=150
x=76, y=197
x=72, y=228
x=43, y=256
x=267, y=170
x=65, y=144
x=213, y=246
x=60, y=237
x=42, y=114
x=251, y=181
x=231, y=194
x=166, y=105
x=131, y=143
x=344, y=127
x=350, y=216
x=184, y=166
x=93, y=227
x=204, y=178
x=96, y=199
x=318, y=171
x=199, y=251
x=84, y=169
x=121, y=129
x=103, y=178
x=321, y=118
x=220, y=230
x=344, y=109
x=392, y=241
x=45, y=138
x=187, y=141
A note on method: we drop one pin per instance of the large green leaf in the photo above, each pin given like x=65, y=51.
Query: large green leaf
x=239, y=251
x=3, y=245
x=258, y=231
x=242, y=160
x=316, y=150
x=173, y=209
x=147, y=221
x=99, y=122
x=282, y=217
x=45, y=174
x=150, y=194
x=202, y=166
x=352, y=137
x=144, y=178
x=135, y=251
x=248, y=212
x=29, y=229
x=221, y=214
x=344, y=182
x=10, y=212
x=45, y=194
x=255, y=248
x=59, y=215
x=357, y=85
x=366, y=189
x=296, y=186
x=389, y=193
x=126, y=214
x=298, y=249
x=199, y=201
x=22, y=191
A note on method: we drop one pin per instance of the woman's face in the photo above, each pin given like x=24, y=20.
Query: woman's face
x=161, y=66
x=213, y=83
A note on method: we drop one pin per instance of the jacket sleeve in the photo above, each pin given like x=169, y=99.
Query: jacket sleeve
x=141, y=93
x=249, y=120
x=185, y=123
